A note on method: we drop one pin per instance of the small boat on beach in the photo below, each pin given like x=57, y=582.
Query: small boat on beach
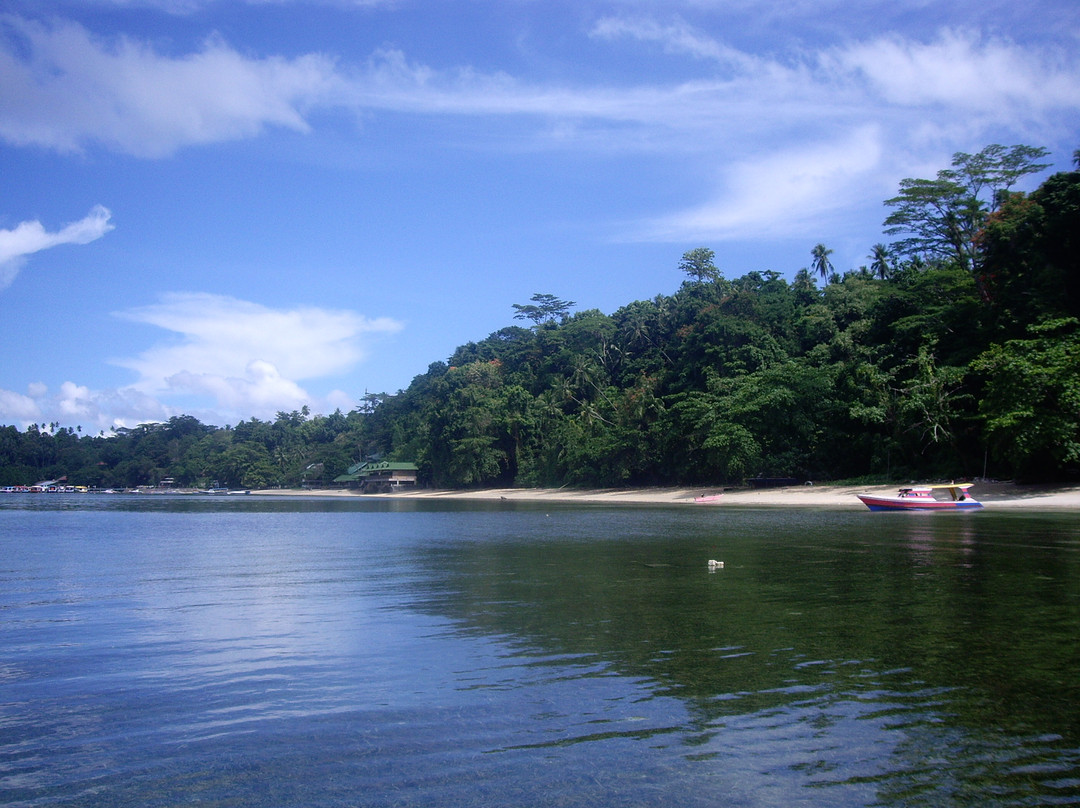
x=950, y=497
x=706, y=498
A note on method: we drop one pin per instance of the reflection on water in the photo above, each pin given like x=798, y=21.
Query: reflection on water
x=331, y=652
x=833, y=647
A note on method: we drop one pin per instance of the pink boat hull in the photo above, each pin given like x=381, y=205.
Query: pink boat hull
x=917, y=503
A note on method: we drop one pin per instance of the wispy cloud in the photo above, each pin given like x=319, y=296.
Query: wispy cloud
x=960, y=70
x=181, y=7
x=64, y=89
x=30, y=237
x=785, y=195
x=676, y=36
x=72, y=88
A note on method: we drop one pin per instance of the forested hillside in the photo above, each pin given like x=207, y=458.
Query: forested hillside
x=955, y=351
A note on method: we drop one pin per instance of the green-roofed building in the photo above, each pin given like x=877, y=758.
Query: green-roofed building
x=382, y=477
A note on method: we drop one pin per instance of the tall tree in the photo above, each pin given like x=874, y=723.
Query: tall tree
x=545, y=308
x=879, y=261
x=822, y=265
x=988, y=175
x=940, y=218
x=699, y=264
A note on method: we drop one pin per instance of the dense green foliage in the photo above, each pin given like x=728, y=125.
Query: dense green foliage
x=254, y=454
x=956, y=352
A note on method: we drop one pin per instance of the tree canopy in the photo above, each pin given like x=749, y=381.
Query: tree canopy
x=545, y=308
x=699, y=265
x=940, y=218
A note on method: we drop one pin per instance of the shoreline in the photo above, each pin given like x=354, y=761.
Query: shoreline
x=993, y=495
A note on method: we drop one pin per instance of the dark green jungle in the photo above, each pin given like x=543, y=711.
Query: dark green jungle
x=954, y=353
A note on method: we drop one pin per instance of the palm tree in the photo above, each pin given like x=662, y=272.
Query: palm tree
x=821, y=263
x=635, y=326
x=879, y=257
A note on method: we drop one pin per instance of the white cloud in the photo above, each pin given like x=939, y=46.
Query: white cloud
x=74, y=401
x=738, y=131
x=181, y=7
x=259, y=390
x=675, y=37
x=65, y=88
x=30, y=237
x=248, y=358
x=799, y=141
x=77, y=405
x=961, y=71
x=786, y=194
x=18, y=408
x=71, y=88
x=232, y=360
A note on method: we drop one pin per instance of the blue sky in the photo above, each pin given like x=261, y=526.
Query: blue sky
x=228, y=209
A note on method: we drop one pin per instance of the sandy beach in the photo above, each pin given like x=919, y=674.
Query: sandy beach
x=997, y=495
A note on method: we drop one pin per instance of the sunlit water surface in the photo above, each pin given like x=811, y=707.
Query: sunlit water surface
x=167, y=651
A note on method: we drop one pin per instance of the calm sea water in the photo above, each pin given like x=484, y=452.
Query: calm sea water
x=161, y=651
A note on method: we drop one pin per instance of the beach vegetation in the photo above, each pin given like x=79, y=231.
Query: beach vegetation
x=956, y=353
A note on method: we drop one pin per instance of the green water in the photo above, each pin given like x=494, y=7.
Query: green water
x=170, y=651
